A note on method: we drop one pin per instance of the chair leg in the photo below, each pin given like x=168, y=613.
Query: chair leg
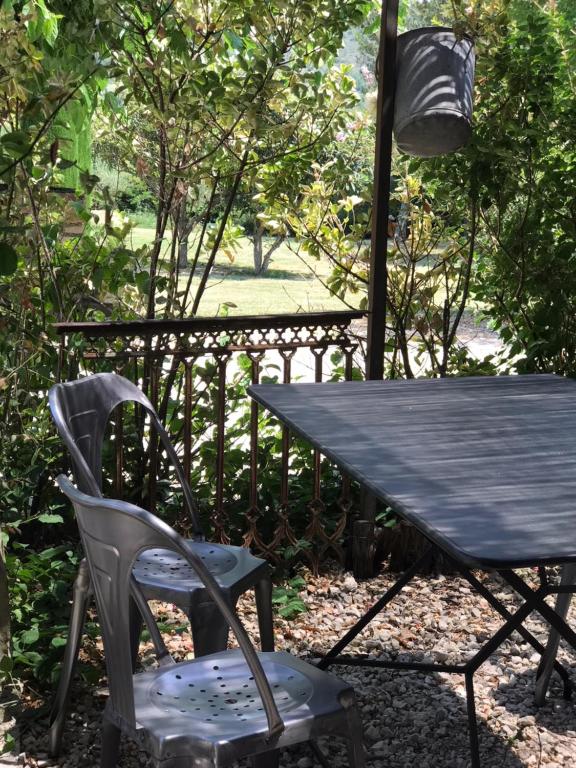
x=135, y=632
x=354, y=737
x=263, y=594
x=80, y=595
x=110, y=751
x=209, y=629
x=356, y=754
x=546, y=665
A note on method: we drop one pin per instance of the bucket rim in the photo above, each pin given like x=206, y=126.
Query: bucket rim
x=430, y=113
x=419, y=30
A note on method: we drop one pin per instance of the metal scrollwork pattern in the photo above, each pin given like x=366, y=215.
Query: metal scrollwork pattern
x=186, y=368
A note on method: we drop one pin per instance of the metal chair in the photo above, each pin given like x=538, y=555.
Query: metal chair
x=81, y=410
x=546, y=666
x=213, y=710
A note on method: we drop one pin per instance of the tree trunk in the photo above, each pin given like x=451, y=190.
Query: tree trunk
x=220, y=234
x=183, y=253
x=4, y=607
x=257, y=243
x=262, y=260
x=183, y=232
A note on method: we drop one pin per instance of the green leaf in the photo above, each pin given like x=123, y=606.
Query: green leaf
x=30, y=636
x=44, y=25
x=292, y=609
x=51, y=552
x=88, y=181
x=15, y=143
x=233, y=40
x=63, y=165
x=28, y=658
x=8, y=259
x=142, y=280
x=90, y=673
x=8, y=745
x=46, y=517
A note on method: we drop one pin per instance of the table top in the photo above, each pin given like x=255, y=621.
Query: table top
x=484, y=466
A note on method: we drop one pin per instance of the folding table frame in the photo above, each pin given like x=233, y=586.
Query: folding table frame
x=533, y=601
x=484, y=468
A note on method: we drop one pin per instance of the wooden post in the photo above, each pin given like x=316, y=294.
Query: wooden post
x=363, y=532
x=380, y=211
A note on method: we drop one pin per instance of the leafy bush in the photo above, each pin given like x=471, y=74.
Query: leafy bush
x=287, y=600
x=134, y=196
x=124, y=191
x=40, y=592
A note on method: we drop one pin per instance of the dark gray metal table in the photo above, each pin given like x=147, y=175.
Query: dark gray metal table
x=484, y=467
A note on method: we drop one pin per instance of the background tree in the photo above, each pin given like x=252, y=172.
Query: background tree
x=206, y=97
x=431, y=251
x=424, y=13
x=494, y=221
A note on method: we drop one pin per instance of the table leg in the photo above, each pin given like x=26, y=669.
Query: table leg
x=472, y=666
x=522, y=631
x=548, y=661
x=375, y=609
x=363, y=537
x=472, y=720
x=537, y=603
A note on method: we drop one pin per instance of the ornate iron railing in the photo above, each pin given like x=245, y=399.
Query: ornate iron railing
x=257, y=483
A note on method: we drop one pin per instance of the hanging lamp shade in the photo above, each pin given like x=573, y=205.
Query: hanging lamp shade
x=434, y=88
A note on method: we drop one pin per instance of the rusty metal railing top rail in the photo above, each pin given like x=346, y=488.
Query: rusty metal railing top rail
x=203, y=324
x=203, y=335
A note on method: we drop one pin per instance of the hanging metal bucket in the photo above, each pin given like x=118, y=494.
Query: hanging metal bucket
x=434, y=84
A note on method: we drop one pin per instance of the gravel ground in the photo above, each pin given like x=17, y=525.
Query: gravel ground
x=410, y=719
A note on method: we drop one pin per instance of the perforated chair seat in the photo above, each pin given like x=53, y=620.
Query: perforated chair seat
x=213, y=710
x=210, y=707
x=165, y=576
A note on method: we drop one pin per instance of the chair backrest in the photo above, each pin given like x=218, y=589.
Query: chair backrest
x=112, y=542
x=81, y=410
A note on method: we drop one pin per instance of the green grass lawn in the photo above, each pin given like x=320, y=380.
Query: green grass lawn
x=288, y=286
x=291, y=283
